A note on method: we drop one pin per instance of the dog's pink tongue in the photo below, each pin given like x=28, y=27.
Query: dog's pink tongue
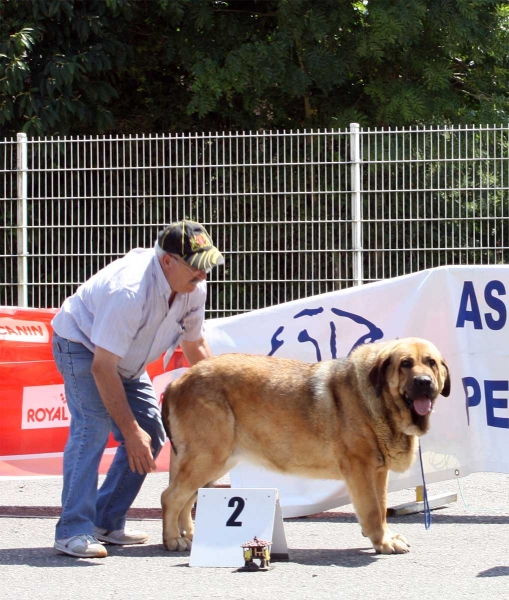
x=422, y=405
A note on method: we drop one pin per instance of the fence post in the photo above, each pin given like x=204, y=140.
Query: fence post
x=22, y=248
x=355, y=168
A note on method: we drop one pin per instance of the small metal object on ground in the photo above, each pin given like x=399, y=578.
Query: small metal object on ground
x=256, y=549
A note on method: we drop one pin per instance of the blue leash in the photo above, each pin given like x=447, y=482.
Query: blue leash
x=427, y=510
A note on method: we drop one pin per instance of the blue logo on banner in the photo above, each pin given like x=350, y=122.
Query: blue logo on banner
x=372, y=334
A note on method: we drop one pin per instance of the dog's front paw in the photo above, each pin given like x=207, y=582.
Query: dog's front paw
x=393, y=544
x=180, y=544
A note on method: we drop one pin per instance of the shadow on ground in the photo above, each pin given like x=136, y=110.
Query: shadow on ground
x=49, y=558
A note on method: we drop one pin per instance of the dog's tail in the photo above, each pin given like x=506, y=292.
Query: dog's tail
x=165, y=415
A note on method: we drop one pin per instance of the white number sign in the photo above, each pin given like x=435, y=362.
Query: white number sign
x=226, y=518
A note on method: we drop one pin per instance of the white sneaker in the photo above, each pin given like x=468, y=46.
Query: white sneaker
x=122, y=537
x=82, y=546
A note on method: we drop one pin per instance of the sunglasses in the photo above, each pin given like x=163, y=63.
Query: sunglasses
x=191, y=269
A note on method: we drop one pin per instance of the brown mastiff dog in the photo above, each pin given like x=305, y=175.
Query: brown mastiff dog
x=352, y=419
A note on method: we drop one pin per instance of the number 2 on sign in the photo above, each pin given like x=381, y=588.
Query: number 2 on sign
x=236, y=500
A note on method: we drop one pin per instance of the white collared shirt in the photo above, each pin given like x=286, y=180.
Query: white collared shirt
x=123, y=308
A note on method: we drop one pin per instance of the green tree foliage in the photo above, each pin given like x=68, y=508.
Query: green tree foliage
x=87, y=66
x=58, y=60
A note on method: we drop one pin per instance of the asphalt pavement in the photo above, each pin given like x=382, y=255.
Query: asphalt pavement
x=464, y=554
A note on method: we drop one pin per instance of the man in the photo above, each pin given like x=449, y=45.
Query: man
x=120, y=320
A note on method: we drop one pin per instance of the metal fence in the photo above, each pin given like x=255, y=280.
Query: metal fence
x=295, y=213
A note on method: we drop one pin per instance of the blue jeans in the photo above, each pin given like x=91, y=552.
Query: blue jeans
x=83, y=505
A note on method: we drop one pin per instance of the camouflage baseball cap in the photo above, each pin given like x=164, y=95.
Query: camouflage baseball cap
x=190, y=241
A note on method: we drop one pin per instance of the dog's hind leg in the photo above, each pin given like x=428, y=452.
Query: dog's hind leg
x=173, y=540
x=192, y=471
x=203, y=428
x=172, y=501
x=186, y=524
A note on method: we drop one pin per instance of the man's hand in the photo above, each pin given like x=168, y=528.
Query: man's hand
x=137, y=440
x=139, y=452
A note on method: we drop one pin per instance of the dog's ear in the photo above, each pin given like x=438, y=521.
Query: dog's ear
x=377, y=373
x=447, y=381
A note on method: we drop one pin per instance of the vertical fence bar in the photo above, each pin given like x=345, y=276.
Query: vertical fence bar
x=22, y=247
x=355, y=158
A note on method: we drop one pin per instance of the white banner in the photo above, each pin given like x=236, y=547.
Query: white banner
x=463, y=310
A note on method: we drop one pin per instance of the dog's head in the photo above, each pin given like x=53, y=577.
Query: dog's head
x=413, y=373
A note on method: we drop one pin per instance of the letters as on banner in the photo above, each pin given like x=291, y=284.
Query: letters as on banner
x=44, y=406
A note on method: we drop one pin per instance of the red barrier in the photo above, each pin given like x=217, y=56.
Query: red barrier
x=34, y=419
